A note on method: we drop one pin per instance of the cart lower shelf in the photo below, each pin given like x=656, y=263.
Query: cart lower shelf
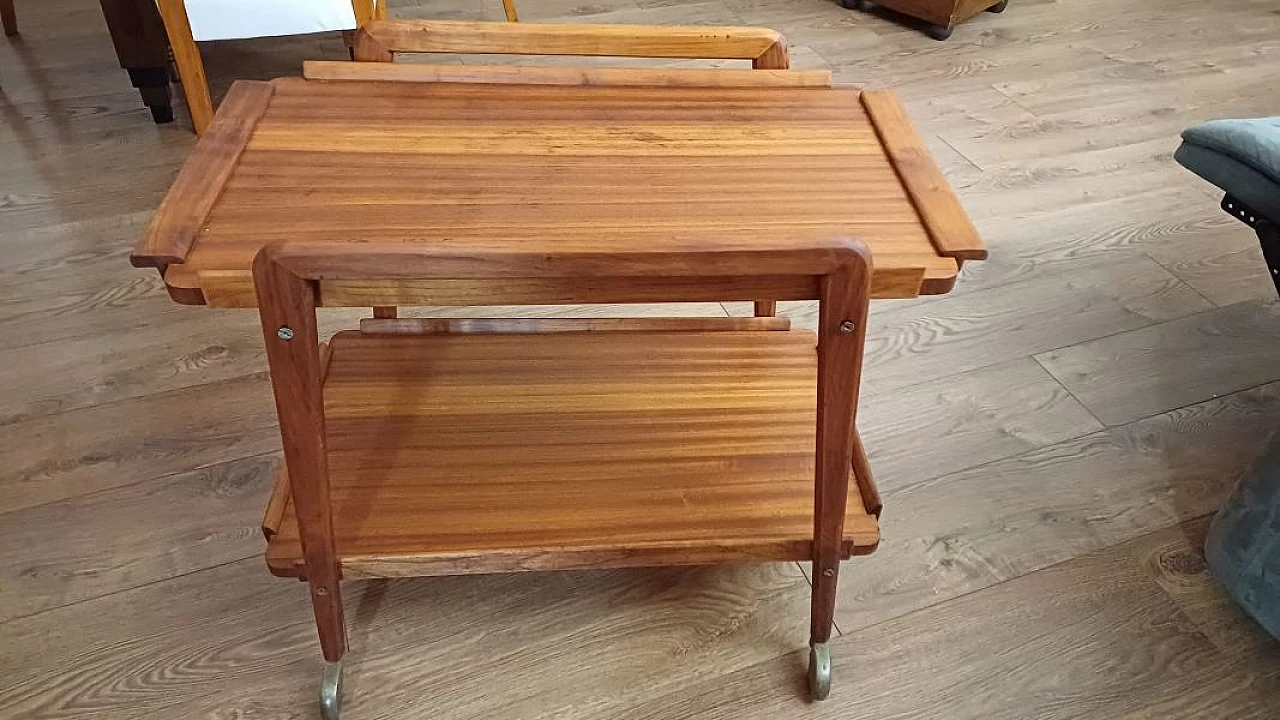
x=456, y=453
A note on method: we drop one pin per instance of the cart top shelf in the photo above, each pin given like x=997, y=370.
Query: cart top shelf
x=457, y=453
x=592, y=166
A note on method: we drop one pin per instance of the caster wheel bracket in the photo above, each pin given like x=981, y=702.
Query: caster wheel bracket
x=820, y=670
x=331, y=691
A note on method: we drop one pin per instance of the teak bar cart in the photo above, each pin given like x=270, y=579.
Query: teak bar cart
x=446, y=446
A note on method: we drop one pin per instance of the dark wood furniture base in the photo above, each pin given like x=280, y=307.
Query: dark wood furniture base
x=143, y=50
x=940, y=16
x=1268, y=231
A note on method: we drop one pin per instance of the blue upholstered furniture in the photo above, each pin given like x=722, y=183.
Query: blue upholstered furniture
x=1243, y=547
x=1242, y=157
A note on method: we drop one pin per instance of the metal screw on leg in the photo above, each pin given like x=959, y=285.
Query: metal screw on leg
x=829, y=572
x=331, y=691
x=285, y=333
x=846, y=326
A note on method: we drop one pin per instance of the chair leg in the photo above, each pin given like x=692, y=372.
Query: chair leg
x=1269, y=238
x=190, y=67
x=8, y=17
x=766, y=308
x=509, y=7
x=367, y=10
x=1268, y=230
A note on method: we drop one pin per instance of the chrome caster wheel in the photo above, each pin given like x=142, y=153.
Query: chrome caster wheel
x=998, y=7
x=331, y=691
x=938, y=32
x=819, y=671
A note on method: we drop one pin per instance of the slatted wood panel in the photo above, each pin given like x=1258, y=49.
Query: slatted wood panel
x=493, y=166
x=569, y=450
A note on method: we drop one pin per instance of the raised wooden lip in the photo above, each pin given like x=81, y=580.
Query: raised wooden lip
x=179, y=219
x=343, y=71
x=949, y=227
x=380, y=40
x=177, y=224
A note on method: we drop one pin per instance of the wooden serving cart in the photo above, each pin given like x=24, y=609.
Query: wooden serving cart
x=446, y=446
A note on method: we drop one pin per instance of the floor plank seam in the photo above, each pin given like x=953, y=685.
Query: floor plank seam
x=1072, y=395
x=147, y=584
x=1148, y=326
x=966, y=158
x=1092, y=551
x=1015, y=102
x=1172, y=271
x=253, y=375
x=154, y=478
x=888, y=494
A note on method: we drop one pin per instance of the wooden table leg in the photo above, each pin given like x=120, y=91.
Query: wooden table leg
x=143, y=50
x=842, y=322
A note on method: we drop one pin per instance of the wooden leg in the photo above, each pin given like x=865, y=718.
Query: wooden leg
x=365, y=10
x=190, y=67
x=766, y=308
x=143, y=51
x=287, y=309
x=509, y=7
x=153, y=85
x=1269, y=238
x=383, y=312
x=842, y=319
x=8, y=17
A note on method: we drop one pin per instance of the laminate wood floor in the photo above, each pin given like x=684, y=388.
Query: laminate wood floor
x=1051, y=438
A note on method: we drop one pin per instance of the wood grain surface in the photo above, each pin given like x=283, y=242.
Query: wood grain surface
x=708, y=453
x=181, y=216
x=949, y=227
x=421, y=326
x=703, y=165
x=1137, y=373
x=1016, y=651
x=1022, y=543
x=379, y=40
x=500, y=74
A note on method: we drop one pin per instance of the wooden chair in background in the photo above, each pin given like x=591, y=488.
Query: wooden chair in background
x=189, y=21
x=381, y=40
